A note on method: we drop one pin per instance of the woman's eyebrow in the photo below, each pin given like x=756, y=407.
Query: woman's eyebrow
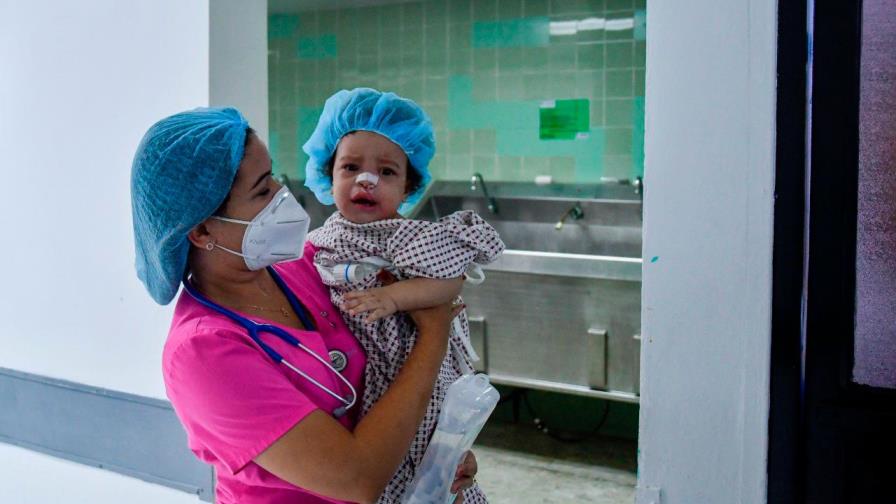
x=261, y=178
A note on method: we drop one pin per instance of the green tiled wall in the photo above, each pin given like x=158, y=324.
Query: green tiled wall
x=496, y=76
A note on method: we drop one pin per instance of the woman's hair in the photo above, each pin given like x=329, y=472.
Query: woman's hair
x=220, y=210
x=413, y=176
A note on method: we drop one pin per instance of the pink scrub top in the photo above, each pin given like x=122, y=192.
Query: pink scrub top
x=234, y=401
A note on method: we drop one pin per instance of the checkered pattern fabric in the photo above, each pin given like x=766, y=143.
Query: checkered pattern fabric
x=415, y=248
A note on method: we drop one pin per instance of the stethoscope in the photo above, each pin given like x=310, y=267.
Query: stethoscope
x=254, y=328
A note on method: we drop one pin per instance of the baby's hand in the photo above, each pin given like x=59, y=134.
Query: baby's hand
x=375, y=302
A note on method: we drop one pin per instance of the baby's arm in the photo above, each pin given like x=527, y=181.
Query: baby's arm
x=406, y=295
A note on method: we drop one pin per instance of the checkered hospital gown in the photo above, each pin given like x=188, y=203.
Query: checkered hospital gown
x=415, y=248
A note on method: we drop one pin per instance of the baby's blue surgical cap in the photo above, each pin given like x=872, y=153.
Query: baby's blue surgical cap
x=363, y=109
x=182, y=172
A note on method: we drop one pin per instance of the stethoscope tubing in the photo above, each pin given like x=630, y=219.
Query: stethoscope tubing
x=254, y=328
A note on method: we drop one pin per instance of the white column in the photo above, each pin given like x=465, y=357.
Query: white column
x=708, y=221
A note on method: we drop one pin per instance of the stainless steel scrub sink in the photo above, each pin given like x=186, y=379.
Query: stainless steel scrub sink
x=560, y=309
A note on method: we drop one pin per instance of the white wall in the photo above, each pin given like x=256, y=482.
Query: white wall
x=239, y=59
x=81, y=82
x=710, y=104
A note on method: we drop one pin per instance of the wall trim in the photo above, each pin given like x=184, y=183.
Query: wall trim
x=125, y=433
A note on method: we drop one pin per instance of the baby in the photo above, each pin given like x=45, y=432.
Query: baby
x=369, y=155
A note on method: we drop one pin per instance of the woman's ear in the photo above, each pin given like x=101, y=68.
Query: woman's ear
x=199, y=236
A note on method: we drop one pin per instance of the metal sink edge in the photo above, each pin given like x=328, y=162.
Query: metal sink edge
x=570, y=265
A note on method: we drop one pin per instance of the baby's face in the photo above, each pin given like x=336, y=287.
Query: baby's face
x=363, y=201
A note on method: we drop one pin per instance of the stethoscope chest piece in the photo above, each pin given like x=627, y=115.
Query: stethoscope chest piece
x=338, y=360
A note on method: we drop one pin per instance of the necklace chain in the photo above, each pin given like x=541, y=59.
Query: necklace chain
x=281, y=310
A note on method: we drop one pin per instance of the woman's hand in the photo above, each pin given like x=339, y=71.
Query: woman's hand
x=436, y=319
x=464, y=476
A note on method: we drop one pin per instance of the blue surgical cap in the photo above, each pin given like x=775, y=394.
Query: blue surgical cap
x=363, y=109
x=182, y=172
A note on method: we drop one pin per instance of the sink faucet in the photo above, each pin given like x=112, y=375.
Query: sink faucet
x=575, y=212
x=638, y=182
x=492, y=204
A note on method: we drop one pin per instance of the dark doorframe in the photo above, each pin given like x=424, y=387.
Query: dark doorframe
x=830, y=440
x=785, y=441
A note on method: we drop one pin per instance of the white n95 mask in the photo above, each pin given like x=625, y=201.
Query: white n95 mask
x=276, y=234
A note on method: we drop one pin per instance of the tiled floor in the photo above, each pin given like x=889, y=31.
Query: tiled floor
x=520, y=465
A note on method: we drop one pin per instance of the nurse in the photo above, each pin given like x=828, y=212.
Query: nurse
x=207, y=212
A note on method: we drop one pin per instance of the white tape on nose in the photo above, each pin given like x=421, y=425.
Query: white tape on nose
x=367, y=177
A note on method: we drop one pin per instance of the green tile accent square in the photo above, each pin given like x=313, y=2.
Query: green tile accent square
x=282, y=26
x=563, y=119
x=620, y=54
x=520, y=32
x=638, y=137
x=620, y=112
x=640, y=31
x=321, y=47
